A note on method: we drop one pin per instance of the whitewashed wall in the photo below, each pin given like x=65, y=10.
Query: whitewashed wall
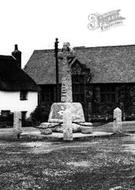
x=11, y=101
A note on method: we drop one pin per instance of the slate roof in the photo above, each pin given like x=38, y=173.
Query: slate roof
x=12, y=78
x=108, y=64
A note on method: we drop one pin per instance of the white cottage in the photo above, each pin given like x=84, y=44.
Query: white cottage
x=18, y=92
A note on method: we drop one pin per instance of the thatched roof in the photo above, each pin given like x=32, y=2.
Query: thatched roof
x=12, y=78
x=109, y=64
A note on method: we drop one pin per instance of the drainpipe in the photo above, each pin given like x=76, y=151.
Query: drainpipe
x=57, y=69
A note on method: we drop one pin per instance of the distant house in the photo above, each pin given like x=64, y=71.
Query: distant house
x=18, y=92
x=102, y=77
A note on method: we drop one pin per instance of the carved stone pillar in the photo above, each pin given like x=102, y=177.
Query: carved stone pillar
x=66, y=88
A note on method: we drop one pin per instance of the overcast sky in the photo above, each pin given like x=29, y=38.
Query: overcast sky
x=34, y=24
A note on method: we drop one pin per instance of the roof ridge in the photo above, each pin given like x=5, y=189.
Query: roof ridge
x=85, y=47
x=6, y=57
x=44, y=50
x=107, y=46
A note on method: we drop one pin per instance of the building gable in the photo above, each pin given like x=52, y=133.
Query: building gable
x=13, y=78
x=109, y=64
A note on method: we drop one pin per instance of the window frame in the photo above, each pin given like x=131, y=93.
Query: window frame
x=23, y=95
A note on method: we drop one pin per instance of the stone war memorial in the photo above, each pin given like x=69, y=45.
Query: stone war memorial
x=66, y=116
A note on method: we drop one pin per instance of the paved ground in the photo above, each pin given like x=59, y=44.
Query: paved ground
x=93, y=164
x=98, y=163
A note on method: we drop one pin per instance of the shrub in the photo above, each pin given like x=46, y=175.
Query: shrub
x=27, y=122
x=6, y=121
x=39, y=115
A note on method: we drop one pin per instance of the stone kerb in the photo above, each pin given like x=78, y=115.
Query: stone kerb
x=17, y=123
x=117, y=123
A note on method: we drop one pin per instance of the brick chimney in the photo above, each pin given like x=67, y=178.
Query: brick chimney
x=17, y=55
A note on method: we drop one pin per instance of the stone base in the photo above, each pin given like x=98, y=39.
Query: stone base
x=47, y=131
x=55, y=121
x=57, y=109
x=46, y=125
x=85, y=127
x=57, y=127
x=68, y=136
x=86, y=130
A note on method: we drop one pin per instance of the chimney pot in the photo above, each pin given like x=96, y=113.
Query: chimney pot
x=17, y=54
x=16, y=47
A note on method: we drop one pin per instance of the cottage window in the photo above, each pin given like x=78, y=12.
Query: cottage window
x=23, y=95
x=5, y=113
